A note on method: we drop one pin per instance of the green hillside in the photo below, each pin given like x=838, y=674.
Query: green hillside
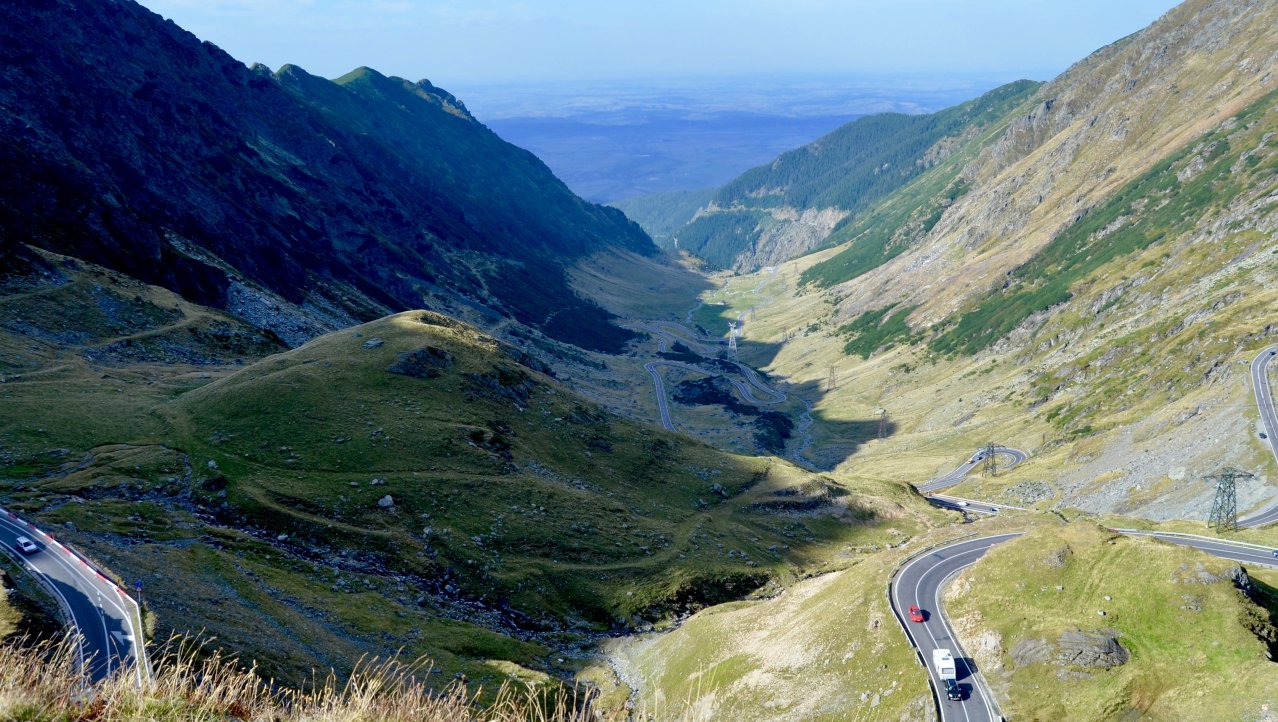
x=1191, y=637
x=530, y=493
x=850, y=170
x=1199, y=184
x=409, y=483
x=1195, y=645
x=894, y=225
x=296, y=203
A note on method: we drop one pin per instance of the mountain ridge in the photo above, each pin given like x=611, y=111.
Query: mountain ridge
x=1092, y=294
x=1095, y=117
x=804, y=197
x=244, y=189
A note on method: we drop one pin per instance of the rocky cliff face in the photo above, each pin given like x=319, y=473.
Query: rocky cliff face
x=296, y=202
x=792, y=233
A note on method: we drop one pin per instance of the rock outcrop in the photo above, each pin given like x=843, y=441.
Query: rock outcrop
x=1076, y=648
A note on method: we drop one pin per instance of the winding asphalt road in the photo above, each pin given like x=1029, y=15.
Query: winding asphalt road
x=744, y=390
x=105, y=618
x=1237, y=551
x=1016, y=455
x=659, y=386
x=970, y=505
x=1264, y=392
x=669, y=331
x=921, y=582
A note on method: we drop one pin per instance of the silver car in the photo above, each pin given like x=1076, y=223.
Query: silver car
x=26, y=546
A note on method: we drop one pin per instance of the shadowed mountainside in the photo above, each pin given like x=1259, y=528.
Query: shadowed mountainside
x=297, y=203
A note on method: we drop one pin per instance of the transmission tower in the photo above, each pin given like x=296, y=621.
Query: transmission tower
x=833, y=383
x=1224, y=510
x=883, y=421
x=732, y=337
x=989, y=462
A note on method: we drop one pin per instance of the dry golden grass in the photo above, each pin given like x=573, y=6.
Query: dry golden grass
x=39, y=682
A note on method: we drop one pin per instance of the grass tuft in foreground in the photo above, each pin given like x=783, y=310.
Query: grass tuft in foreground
x=39, y=682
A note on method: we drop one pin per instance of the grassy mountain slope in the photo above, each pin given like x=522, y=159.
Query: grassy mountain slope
x=1113, y=347
x=828, y=648
x=248, y=489
x=569, y=494
x=812, y=190
x=299, y=204
x=1101, y=125
x=1126, y=393
x=1226, y=176
x=1198, y=646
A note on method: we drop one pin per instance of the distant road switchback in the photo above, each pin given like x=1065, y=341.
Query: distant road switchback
x=1014, y=457
x=750, y=387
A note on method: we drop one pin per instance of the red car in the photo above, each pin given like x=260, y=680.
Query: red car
x=916, y=614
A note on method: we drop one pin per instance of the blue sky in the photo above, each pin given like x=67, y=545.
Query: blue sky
x=468, y=43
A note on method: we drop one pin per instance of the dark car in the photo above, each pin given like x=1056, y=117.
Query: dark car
x=953, y=691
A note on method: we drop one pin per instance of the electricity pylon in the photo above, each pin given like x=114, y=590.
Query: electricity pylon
x=1224, y=509
x=989, y=464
